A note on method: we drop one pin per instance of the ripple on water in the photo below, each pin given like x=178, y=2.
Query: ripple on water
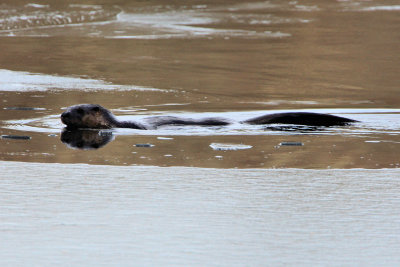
x=371, y=122
x=153, y=23
x=33, y=16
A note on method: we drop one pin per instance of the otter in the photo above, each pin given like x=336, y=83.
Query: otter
x=93, y=116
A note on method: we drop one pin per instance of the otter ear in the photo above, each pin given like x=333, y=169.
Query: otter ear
x=95, y=109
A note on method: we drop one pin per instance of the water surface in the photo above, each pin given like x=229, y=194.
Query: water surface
x=86, y=215
x=227, y=58
x=101, y=197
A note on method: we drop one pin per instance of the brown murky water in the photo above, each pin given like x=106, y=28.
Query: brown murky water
x=210, y=56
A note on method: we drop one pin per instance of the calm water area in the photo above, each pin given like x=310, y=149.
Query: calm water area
x=200, y=196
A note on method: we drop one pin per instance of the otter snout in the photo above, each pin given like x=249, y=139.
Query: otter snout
x=64, y=116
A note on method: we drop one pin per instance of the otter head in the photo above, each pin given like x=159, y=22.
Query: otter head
x=88, y=116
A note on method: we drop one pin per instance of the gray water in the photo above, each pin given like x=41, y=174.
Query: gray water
x=82, y=215
x=231, y=196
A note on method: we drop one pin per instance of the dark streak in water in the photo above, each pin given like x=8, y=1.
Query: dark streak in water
x=16, y=137
x=23, y=108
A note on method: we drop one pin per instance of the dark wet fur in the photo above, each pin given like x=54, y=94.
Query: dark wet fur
x=158, y=121
x=301, y=118
x=94, y=117
x=97, y=117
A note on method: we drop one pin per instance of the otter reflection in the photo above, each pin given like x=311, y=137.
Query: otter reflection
x=86, y=139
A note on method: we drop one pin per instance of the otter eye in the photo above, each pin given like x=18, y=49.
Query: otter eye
x=96, y=109
x=80, y=111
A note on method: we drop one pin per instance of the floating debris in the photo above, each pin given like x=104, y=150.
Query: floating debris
x=291, y=144
x=221, y=146
x=164, y=138
x=16, y=137
x=23, y=108
x=144, y=145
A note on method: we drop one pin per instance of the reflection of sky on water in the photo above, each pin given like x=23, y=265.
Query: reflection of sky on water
x=96, y=21
x=19, y=81
x=178, y=216
x=160, y=22
x=188, y=23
